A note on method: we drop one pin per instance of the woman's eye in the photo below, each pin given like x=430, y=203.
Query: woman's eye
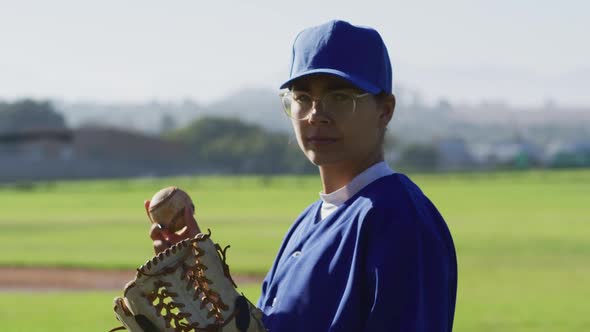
x=340, y=97
x=302, y=99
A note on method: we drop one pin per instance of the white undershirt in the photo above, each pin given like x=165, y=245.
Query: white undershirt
x=333, y=200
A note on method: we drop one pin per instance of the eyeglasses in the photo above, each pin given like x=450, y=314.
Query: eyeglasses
x=298, y=104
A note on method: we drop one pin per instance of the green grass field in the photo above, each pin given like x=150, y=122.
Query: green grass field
x=65, y=311
x=522, y=239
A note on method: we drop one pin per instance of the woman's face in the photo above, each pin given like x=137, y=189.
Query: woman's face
x=338, y=138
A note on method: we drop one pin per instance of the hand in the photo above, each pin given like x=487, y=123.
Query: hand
x=164, y=239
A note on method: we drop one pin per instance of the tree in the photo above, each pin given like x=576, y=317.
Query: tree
x=28, y=114
x=230, y=145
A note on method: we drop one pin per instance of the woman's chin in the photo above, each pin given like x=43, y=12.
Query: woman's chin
x=324, y=159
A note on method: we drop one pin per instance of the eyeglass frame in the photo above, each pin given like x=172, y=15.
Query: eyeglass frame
x=321, y=100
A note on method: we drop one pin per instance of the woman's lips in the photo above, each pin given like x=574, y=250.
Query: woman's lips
x=321, y=140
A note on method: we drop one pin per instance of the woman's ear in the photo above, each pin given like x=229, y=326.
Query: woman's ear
x=386, y=108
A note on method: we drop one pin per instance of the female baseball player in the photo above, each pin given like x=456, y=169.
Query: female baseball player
x=373, y=253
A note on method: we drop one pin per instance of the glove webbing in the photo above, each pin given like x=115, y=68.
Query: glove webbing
x=195, y=279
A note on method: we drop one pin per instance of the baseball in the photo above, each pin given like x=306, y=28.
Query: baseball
x=167, y=208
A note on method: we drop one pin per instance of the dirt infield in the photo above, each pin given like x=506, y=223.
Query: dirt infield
x=76, y=279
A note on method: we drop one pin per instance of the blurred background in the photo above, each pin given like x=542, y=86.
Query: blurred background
x=104, y=103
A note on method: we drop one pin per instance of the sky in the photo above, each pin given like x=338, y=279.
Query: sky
x=522, y=52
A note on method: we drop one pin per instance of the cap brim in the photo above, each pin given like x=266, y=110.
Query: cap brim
x=361, y=84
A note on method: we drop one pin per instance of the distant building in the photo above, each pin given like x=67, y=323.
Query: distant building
x=89, y=152
x=35, y=145
x=23, y=151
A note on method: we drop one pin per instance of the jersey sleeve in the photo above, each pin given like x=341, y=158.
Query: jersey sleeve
x=409, y=272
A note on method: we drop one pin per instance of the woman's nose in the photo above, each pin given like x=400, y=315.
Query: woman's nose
x=317, y=114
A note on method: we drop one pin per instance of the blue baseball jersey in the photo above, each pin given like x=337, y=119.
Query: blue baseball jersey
x=383, y=261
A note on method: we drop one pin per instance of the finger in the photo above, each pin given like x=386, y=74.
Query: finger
x=160, y=245
x=156, y=233
x=146, y=204
x=173, y=238
x=192, y=228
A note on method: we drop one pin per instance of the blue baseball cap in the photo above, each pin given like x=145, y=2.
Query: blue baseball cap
x=354, y=53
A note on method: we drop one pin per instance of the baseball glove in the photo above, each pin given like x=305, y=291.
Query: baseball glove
x=185, y=288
